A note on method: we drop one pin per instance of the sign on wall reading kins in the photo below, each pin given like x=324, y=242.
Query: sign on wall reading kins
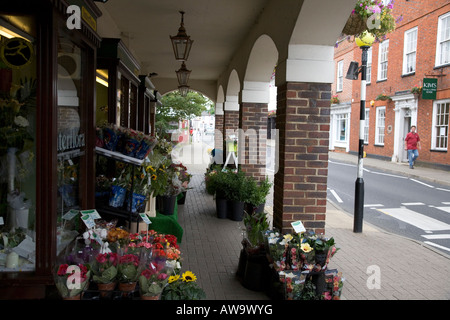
x=429, y=88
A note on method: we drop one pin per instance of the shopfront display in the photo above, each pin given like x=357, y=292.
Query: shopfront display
x=47, y=138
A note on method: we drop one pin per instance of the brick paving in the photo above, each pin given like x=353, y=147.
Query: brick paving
x=408, y=269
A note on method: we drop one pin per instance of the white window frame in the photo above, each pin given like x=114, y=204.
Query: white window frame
x=380, y=126
x=341, y=117
x=410, y=51
x=340, y=76
x=366, y=126
x=369, y=66
x=383, y=53
x=437, y=127
x=443, y=41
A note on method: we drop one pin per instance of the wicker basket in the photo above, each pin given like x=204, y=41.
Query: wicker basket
x=355, y=25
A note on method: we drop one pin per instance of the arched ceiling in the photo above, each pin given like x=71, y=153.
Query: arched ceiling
x=224, y=34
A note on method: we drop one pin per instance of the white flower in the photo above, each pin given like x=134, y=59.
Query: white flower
x=21, y=121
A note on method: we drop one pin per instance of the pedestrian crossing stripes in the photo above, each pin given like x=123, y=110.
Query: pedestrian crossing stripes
x=416, y=219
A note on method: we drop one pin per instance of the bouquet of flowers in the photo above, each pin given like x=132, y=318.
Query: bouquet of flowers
x=71, y=280
x=182, y=175
x=183, y=287
x=104, y=268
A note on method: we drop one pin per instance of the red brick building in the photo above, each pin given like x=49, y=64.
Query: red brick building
x=419, y=48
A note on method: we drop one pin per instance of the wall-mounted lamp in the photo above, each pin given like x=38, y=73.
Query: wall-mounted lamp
x=372, y=102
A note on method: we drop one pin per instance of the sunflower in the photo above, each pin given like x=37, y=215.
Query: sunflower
x=188, y=276
x=173, y=278
x=154, y=177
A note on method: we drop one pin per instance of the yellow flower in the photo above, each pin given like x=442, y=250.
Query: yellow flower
x=188, y=276
x=173, y=278
x=305, y=247
x=154, y=177
x=288, y=237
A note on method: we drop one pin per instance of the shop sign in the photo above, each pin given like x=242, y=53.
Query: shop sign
x=73, y=140
x=429, y=88
x=16, y=53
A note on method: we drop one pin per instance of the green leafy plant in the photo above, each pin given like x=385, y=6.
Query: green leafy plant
x=255, y=226
x=258, y=193
x=382, y=97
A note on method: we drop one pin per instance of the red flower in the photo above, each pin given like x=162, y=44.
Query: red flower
x=62, y=270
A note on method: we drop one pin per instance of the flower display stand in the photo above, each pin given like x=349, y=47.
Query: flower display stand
x=121, y=211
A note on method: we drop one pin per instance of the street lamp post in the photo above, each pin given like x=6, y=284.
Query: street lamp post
x=364, y=42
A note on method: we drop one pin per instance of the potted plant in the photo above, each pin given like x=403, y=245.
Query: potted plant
x=257, y=195
x=72, y=280
x=253, y=264
x=153, y=279
x=382, y=97
x=416, y=90
x=372, y=16
x=141, y=186
x=237, y=192
x=334, y=99
x=183, y=287
x=104, y=269
x=128, y=271
x=184, y=177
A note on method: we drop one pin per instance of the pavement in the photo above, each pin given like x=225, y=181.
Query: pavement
x=376, y=265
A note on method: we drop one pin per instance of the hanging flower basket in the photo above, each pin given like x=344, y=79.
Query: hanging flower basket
x=355, y=25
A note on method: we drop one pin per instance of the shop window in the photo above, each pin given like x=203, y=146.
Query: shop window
x=440, y=125
x=380, y=124
x=17, y=145
x=71, y=140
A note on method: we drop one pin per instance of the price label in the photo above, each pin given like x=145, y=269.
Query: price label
x=92, y=212
x=145, y=218
x=69, y=215
x=88, y=221
x=298, y=226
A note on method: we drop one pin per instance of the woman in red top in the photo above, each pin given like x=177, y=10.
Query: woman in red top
x=412, y=141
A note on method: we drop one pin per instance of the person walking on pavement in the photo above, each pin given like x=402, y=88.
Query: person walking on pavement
x=412, y=141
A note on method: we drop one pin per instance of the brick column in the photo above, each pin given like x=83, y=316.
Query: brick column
x=253, y=139
x=231, y=126
x=300, y=188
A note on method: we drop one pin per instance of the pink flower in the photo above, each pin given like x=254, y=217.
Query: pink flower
x=162, y=276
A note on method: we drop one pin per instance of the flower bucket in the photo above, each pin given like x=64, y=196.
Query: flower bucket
x=355, y=25
x=235, y=210
x=143, y=150
x=182, y=199
x=221, y=206
x=117, y=196
x=130, y=147
x=166, y=204
x=137, y=202
x=110, y=139
x=255, y=272
x=68, y=192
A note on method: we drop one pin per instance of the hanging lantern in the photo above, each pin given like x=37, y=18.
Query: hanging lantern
x=183, y=75
x=181, y=43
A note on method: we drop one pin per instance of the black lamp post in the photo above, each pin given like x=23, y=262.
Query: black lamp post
x=364, y=42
